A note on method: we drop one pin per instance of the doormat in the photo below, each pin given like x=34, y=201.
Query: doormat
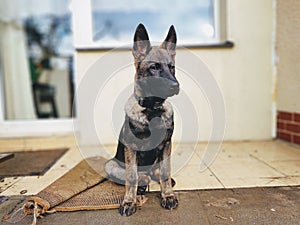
x=84, y=187
x=30, y=163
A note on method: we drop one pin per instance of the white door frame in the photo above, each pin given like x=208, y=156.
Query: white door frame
x=33, y=128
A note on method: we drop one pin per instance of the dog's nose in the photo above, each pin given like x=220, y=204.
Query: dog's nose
x=174, y=87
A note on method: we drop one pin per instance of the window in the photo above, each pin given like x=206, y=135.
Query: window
x=104, y=24
x=36, y=62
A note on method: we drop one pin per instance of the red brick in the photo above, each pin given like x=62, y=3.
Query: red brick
x=296, y=139
x=280, y=125
x=297, y=117
x=284, y=115
x=293, y=128
x=284, y=136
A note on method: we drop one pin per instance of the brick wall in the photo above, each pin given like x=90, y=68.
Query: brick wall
x=288, y=126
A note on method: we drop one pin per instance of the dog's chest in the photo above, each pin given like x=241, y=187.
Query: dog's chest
x=142, y=118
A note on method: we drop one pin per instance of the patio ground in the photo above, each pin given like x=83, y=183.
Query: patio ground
x=245, y=183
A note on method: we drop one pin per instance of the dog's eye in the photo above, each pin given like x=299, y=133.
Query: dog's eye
x=171, y=67
x=155, y=66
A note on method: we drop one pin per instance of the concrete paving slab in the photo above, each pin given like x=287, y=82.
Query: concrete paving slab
x=280, y=205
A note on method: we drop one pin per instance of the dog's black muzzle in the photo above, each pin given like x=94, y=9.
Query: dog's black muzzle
x=157, y=87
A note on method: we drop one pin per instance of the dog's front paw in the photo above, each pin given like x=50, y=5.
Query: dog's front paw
x=170, y=202
x=127, y=208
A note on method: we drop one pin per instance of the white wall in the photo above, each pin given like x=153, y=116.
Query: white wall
x=244, y=75
x=288, y=52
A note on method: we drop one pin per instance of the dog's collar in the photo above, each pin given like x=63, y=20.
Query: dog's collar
x=150, y=102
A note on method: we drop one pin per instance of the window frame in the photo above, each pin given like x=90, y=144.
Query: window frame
x=83, y=27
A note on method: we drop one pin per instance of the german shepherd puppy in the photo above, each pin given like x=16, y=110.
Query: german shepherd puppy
x=144, y=147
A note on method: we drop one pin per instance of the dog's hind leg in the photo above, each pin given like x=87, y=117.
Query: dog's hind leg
x=115, y=172
x=168, y=198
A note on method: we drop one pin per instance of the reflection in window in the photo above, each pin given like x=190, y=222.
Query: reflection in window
x=37, y=37
x=114, y=22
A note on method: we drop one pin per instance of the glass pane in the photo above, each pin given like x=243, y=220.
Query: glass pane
x=37, y=37
x=114, y=21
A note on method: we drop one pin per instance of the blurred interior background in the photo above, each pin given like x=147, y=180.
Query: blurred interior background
x=250, y=48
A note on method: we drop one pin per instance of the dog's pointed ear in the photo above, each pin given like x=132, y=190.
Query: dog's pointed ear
x=170, y=42
x=141, y=45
